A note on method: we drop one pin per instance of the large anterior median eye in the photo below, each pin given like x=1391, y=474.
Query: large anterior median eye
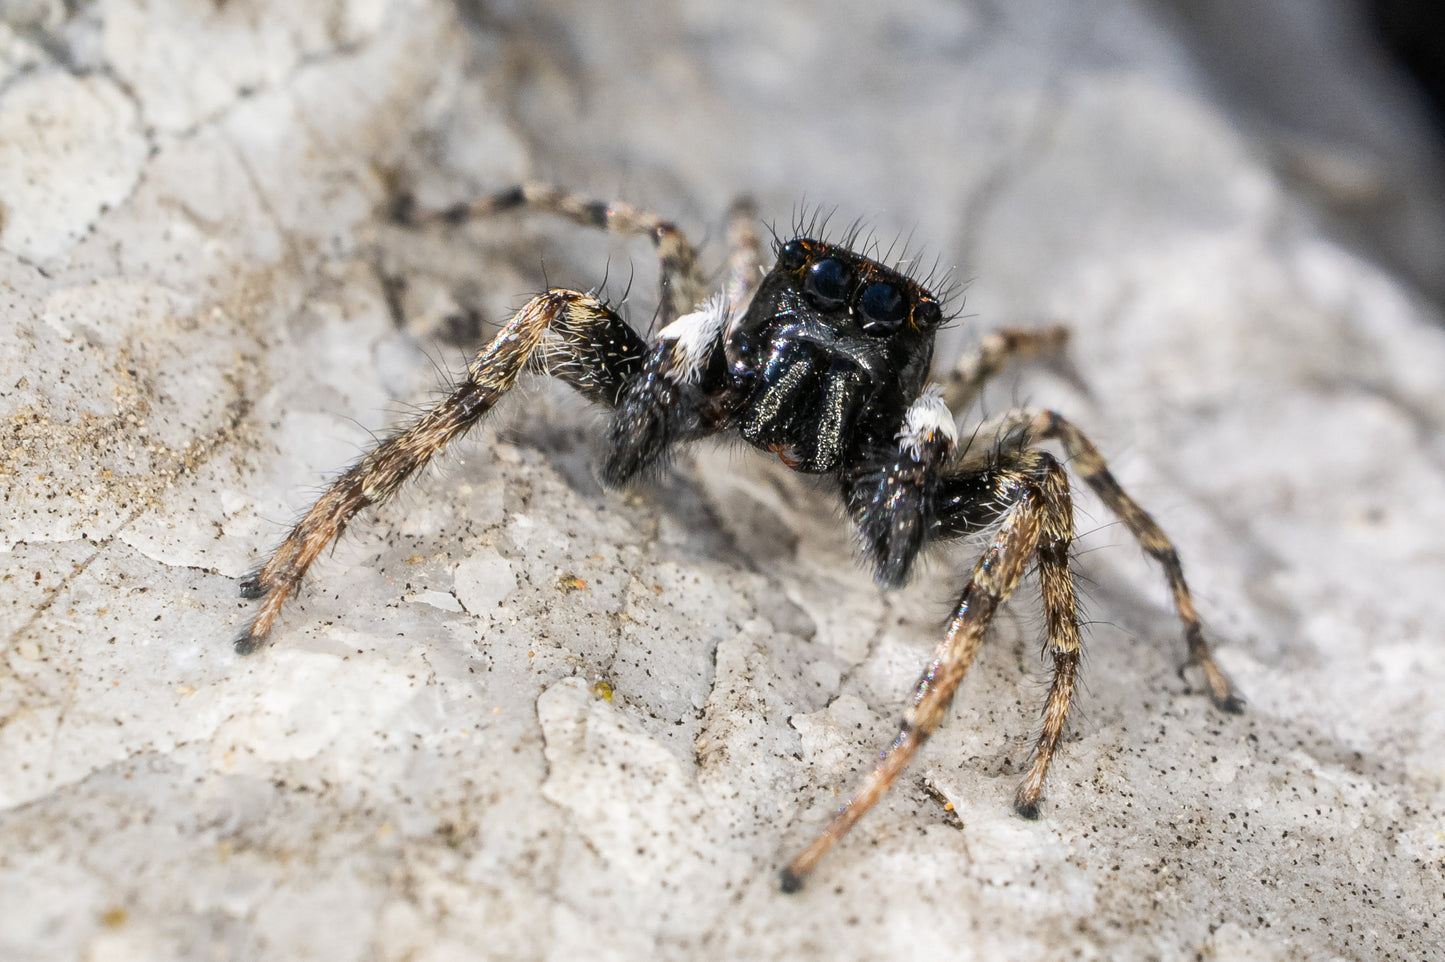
x=826, y=284
x=883, y=307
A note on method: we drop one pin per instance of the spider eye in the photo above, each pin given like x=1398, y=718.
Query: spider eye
x=927, y=315
x=883, y=307
x=826, y=284
x=792, y=256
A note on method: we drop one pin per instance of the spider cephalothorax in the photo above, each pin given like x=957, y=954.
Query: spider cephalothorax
x=831, y=352
x=822, y=360
x=820, y=367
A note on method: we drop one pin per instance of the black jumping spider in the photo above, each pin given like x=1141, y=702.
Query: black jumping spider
x=824, y=361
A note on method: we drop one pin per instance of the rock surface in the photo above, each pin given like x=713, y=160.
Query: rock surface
x=514, y=716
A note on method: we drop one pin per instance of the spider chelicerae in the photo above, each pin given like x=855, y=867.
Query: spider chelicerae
x=823, y=360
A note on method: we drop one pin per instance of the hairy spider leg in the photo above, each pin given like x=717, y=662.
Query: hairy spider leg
x=961, y=388
x=962, y=384
x=1029, y=490
x=1085, y=459
x=683, y=286
x=1056, y=585
x=570, y=335
x=1025, y=427
x=969, y=497
x=1030, y=484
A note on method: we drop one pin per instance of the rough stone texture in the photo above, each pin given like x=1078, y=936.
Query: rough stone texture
x=516, y=717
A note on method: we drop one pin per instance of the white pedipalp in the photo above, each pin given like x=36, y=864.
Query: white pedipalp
x=928, y=419
x=694, y=336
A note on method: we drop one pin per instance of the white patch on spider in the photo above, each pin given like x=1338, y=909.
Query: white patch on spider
x=928, y=419
x=695, y=335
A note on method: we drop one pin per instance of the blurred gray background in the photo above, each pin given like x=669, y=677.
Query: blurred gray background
x=514, y=716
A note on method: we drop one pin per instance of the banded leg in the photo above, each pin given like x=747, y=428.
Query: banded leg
x=994, y=578
x=683, y=286
x=997, y=349
x=1056, y=584
x=969, y=499
x=1031, y=491
x=1086, y=460
x=571, y=335
x=745, y=255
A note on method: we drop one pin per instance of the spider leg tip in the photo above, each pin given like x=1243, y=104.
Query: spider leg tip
x=1230, y=704
x=251, y=588
x=403, y=209
x=247, y=643
x=790, y=881
x=457, y=214
x=1027, y=810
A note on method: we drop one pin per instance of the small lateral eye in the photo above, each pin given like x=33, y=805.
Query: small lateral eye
x=826, y=284
x=883, y=307
x=792, y=256
x=927, y=315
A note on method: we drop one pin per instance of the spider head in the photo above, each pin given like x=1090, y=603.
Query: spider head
x=832, y=350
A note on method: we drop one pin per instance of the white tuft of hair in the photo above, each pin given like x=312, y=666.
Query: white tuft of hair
x=928, y=420
x=694, y=336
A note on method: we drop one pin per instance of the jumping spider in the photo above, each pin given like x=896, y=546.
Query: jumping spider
x=823, y=360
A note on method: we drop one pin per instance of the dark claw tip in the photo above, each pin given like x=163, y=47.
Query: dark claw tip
x=790, y=881
x=246, y=644
x=403, y=209
x=1232, y=704
x=743, y=206
x=251, y=588
x=1028, y=810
